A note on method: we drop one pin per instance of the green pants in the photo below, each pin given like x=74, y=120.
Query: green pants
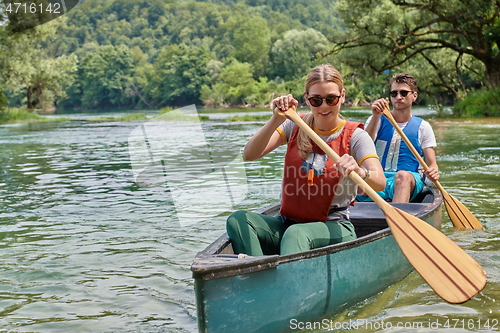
x=257, y=234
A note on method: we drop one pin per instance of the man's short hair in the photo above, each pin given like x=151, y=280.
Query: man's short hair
x=404, y=78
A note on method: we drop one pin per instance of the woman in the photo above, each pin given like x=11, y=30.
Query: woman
x=315, y=190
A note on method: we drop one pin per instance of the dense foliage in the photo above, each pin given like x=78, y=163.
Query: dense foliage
x=154, y=53
x=484, y=103
x=455, y=42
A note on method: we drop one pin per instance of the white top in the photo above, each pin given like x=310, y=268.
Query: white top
x=425, y=133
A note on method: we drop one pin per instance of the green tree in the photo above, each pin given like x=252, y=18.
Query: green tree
x=103, y=77
x=3, y=35
x=26, y=64
x=138, y=87
x=252, y=43
x=396, y=31
x=180, y=72
x=26, y=15
x=235, y=83
x=262, y=91
x=294, y=55
x=192, y=32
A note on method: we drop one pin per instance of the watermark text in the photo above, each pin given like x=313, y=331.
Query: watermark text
x=429, y=325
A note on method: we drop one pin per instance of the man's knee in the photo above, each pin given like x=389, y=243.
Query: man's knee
x=404, y=177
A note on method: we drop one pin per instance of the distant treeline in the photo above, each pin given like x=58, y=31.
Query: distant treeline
x=156, y=53
x=153, y=53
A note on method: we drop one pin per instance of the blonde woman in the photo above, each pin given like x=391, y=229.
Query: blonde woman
x=315, y=192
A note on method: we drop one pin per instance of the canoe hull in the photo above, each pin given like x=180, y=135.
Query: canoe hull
x=285, y=290
x=270, y=300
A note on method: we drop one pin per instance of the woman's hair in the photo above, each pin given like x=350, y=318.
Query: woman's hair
x=319, y=74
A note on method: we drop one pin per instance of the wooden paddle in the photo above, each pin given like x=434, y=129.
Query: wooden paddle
x=448, y=269
x=459, y=215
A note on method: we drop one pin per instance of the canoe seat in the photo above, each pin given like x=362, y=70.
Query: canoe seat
x=367, y=217
x=426, y=196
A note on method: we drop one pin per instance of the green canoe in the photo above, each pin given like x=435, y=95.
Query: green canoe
x=283, y=293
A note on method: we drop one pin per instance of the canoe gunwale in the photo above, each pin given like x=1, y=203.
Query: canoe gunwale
x=208, y=266
x=211, y=263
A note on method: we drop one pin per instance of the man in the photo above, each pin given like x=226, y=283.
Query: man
x=405, y=179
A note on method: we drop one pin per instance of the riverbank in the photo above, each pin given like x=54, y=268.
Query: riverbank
x=21, y=115
x=261, y=114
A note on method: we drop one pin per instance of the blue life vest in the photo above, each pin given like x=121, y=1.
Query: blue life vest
x=403, y=158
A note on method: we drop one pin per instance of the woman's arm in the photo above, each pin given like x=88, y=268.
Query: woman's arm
x=267, y=138
x=376, y=179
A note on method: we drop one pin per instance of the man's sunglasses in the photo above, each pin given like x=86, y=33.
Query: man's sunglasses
x=331, y=100
x=403, y=93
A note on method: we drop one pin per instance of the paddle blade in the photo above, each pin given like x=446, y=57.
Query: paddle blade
x=460, y=216
x=448, y=269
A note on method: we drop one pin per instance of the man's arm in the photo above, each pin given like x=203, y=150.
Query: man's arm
x=372, y=127
x=377, y=108
x=430, y=158
x=428, y=140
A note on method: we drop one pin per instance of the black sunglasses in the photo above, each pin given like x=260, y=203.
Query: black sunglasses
x=403, y=93
x=331, y=100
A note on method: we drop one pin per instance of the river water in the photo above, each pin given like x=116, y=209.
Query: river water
x=88, y=245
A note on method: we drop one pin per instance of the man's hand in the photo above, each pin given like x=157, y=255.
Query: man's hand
x=432, y=173
x=379, y=106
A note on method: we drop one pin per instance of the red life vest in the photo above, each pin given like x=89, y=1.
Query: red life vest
x=311, y=203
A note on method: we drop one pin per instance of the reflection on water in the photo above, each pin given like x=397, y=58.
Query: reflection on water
x=84, y=249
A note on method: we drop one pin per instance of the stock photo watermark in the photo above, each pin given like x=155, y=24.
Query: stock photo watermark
x=205, y=176
x=20, y=15
x=429, y=325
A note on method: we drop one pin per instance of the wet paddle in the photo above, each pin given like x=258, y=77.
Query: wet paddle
x=448, y=269
x=459, y=215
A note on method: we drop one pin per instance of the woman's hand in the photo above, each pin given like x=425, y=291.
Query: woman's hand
x=346, y=164
x=283, y=103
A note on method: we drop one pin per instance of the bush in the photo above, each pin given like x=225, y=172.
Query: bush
x=483, y=103
x=14, y=115
x=22, y=115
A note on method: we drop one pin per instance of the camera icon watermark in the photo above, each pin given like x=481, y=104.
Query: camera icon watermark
x=205, y=174
x=26, y=14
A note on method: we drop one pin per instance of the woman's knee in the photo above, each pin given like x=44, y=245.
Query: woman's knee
x=235, y=220
x=295, y=239
x=295, y=233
